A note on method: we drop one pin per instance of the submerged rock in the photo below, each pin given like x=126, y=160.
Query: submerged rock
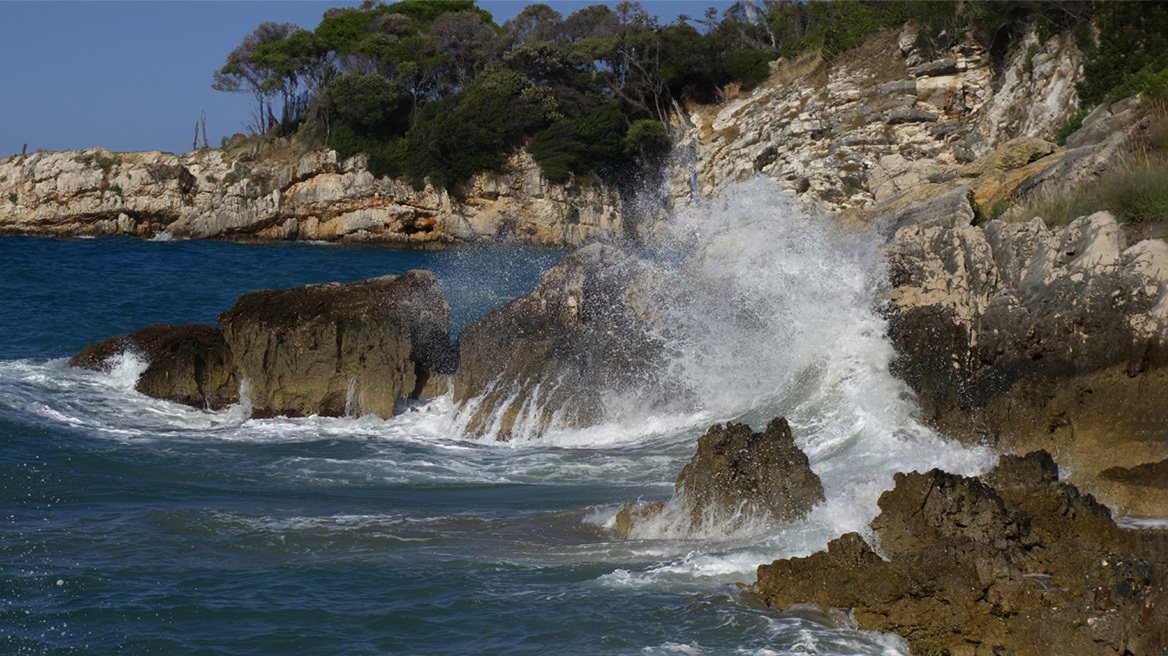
x=189, y=364
x=341, y=349
x=737, y=477
x=556, y=354
x=1014, y=562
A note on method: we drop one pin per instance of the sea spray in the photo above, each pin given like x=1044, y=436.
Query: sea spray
x=774, y=313
x=168, y=523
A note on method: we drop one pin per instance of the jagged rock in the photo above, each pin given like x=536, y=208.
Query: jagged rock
x=762, y=475
x=909, y=115
x=1014, y=154
x=903, y=122
x=1015, y=562
x=210, y=194
x=1031, y=338
x=1086, y=163
x=906, y=87
x=631, y=515
x=1105, y=121
x=189, y=364
x=556, y=353
x=341, y=349
x=946, y=66
x=738, y=477
x=949, y=210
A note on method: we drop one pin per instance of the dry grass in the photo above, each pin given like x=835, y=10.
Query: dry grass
x=1136, y=194
x=879, y=55
x=810, y=63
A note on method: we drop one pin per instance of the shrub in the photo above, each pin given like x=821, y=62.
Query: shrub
x=748, y=67
x=1031, y=50
x=559, y=151
x=237, y=173
x=647, y=141
x=12, y=197
x=103, y=162
x=1070, y=127
x=1132, y=36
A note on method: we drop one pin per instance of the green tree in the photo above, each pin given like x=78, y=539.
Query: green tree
x=242, y=74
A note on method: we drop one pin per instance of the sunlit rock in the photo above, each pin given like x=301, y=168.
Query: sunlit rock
x=1015, y=562
x=1028, y=337
x=341, y=349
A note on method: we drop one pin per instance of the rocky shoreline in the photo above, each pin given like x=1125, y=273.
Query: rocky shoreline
x=245, y=196
x=1013, y=562
x=1049, y=342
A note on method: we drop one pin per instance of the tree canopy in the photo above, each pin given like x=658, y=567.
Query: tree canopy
x=436, y=89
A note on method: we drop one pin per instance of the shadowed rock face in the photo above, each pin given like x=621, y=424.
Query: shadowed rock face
x=558, y=351
x=189, y=364
x=340, y=349
x=1014, y=562
x=1027, y=337
x=738, y=476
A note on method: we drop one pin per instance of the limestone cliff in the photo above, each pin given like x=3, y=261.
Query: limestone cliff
x=207, y=194
x=878, y=121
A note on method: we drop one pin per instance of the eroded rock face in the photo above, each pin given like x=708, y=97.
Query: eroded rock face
x=554, y=355
x=737, y=477
x=879, y=122
x=189, y=364
x=341, y=349
x=1028, y=338
x=210, y=194
x=1015, y=562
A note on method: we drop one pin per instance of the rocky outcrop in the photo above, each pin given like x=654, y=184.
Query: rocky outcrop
x=1015, y=562
x=553, y=356
x=189, y=364
x=211, y=194
x=1028, y=337
x=736, y=478
x=877, y=122
x=341, y=349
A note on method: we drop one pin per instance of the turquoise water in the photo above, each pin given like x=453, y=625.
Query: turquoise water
x=134, y=526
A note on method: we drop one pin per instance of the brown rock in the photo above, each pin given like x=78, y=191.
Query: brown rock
x=1026, y=337
x=336, y=349
x=758, y=475
x=1016, y=563
x=633, y=514
x=189, y=364
x=738, y=477
x=1013, y=154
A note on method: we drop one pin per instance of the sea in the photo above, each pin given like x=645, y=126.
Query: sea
x=130, y=525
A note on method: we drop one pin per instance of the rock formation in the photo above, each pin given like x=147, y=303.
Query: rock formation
x=878, y=121
x=1028, y=337
x=555, y=355
x=210, y=194
x=737, y=478
x=338, y=349
x=1015, y=562
x=189, y=364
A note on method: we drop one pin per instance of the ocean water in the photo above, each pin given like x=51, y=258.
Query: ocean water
x=130, y=525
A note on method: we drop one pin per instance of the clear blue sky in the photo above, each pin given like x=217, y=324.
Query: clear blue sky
x=135, y=75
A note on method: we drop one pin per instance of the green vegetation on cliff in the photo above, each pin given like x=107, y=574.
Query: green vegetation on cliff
x=437, y=90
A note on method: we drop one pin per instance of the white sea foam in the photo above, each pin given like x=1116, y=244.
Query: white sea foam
x=778, y=315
